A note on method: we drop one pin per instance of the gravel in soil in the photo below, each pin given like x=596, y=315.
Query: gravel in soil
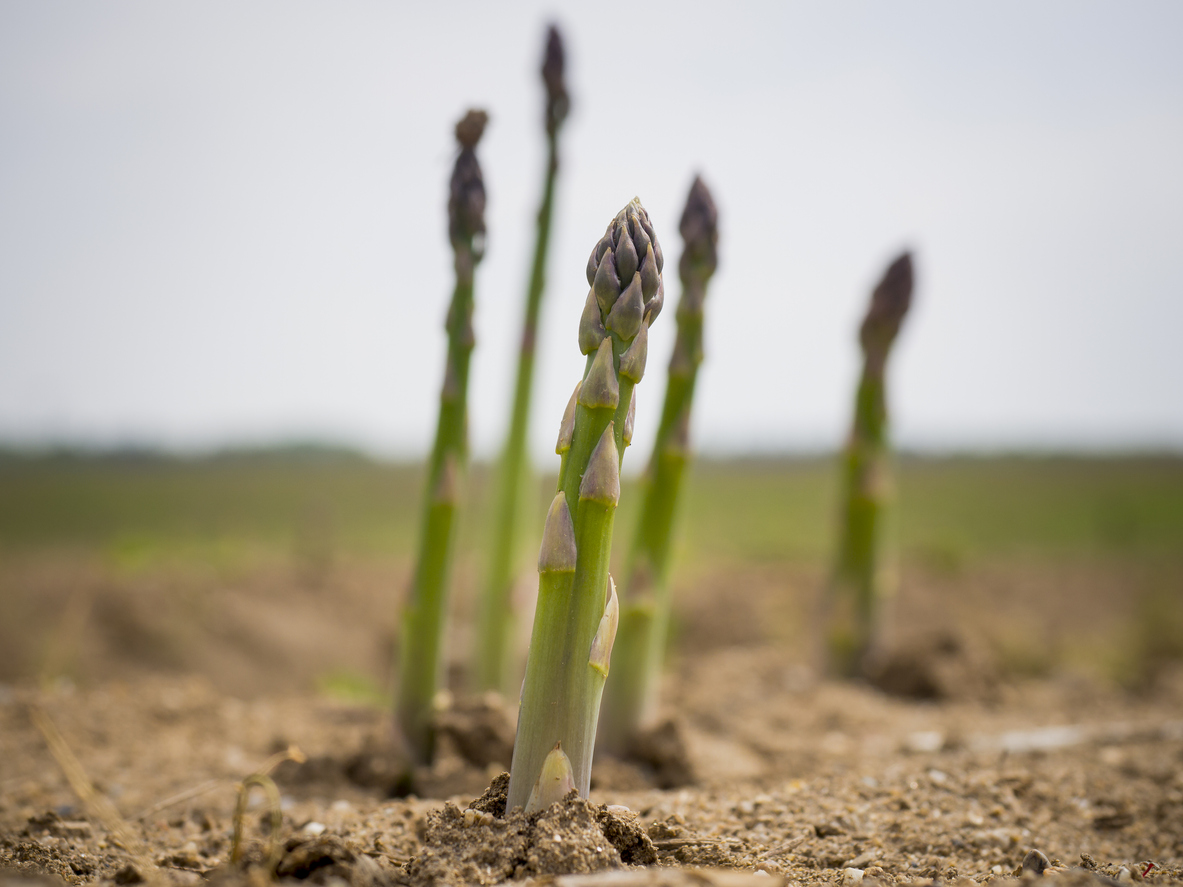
x=812, y=782
x=763, y=775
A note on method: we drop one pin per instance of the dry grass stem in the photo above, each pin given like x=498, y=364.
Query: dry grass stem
x=99, y=805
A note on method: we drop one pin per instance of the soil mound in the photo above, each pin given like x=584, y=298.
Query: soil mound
x=485, y=845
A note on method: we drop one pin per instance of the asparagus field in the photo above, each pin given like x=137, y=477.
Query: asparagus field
x=864, y=667
x=170, y=624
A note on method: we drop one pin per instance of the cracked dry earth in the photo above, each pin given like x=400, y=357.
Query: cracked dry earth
x=791, y=780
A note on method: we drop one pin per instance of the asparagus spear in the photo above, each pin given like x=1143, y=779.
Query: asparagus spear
x=859, y=583
x=496, y=618
x=630, y=703
x=421, y=656
x=577, y=611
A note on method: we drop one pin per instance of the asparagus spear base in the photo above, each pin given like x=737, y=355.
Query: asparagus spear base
x=563, y=686
x=421, y=638
x=854, y=621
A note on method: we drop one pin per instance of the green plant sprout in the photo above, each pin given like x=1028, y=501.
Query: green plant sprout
x=631, y=697
x=421, y=653
x=861, y=580
x=496, y=618
x=577, y=612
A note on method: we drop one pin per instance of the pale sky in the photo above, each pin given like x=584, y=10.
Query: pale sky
x=224, y=222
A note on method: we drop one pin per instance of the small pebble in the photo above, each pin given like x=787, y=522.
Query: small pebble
x=852, y=876
x=1124, y=876
x=925, y=741
x=1035, y=862
x=314, y=828
x=477, y=817
x=1112, y=756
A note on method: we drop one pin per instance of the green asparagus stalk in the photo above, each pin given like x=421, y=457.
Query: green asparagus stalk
x=860, y=582
x=496, y=619
x=577, y=612
x=421, y=654
x=630, y=702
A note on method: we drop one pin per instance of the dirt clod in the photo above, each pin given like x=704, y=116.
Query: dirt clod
x=567, y=839
x=129, y=874
x=495, y=798
x=624, y=832
x=485, y=845
x=663, y=750
x=480, y=728
x=940, y=665
x=455, y=853
x=324, y=855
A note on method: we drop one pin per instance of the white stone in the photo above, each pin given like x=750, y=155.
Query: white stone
x=925, y=741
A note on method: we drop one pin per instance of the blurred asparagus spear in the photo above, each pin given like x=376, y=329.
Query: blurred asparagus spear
x=421, y=647
x=577, y=611
x=496, y=618
x=630, y=702
x=859, y=583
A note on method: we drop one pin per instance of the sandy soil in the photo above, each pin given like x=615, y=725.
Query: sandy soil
x=134, y=775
